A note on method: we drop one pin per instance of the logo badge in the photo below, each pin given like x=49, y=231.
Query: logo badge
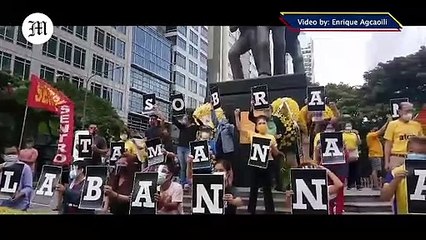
x=37, y=28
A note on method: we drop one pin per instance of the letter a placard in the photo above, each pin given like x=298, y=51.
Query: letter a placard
x=260, y=97
x=316, y=98
x=259, y=153
x=144, y=188
x=200, y=151
x=50, y=177
x=332, y=148
x=310, y=191
x=207, y=194
x=178, y=105
x=416, y=184
x=92, y=195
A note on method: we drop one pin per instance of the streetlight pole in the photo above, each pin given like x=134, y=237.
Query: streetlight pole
x=83, y=121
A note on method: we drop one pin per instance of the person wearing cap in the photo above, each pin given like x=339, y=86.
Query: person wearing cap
x=156, y=121
x=22, y=198
x=397, y=134
x=71, y=194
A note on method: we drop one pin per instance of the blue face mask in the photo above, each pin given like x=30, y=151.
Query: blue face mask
x=416, y=156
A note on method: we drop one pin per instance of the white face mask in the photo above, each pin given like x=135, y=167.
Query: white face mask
x=123, y=137
x=162, y=177
x=348, y=128
x=10, y=158
x=73, y=174
x=407, y=117
x=205, y=135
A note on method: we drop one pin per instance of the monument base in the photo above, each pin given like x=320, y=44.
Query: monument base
x=237, y=94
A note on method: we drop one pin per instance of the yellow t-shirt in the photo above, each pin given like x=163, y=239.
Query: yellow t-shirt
x=316, y=142
x=399, y=132
x=375, y=147
x=351, y=140
x=400, y=201
x=252, y=134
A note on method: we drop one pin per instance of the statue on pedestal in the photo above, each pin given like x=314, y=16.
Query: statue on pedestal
x=245, y=43
x=293, y=48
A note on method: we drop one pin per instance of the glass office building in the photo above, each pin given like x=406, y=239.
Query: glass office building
x=150, y=73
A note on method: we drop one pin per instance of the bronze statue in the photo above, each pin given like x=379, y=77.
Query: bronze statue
x=293, y=48
x=245, y=43
x=278, y=38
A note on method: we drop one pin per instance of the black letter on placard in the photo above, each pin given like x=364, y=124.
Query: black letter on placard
x=260, y=97
x=200, y=151
x=93, y=191
x=85, y=146
x=45, y=190
x=214, y=92
x=144, y=188
x=332, y=148
x=316, y=98
x=207, y=192
x=148, y=102
x=178, y=105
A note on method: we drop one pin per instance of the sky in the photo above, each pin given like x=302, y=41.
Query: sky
x=345, y=56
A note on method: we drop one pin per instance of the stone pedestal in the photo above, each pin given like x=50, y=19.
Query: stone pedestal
x=236, y=94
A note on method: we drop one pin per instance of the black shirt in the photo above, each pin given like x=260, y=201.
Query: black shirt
x=153, y=132
x=100, y=143
x=186, y=134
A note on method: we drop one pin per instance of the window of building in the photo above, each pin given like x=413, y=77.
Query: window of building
x=97, y=64
x=62, y=76
x=193, y=51
x=21, y=68
x=69, y=29
x=192, y=103
x=99, y=37
x=7, y=33
x=21, y=41
x=118, y=74
x=202, y=90
x=81, y=32
x=77, y=82
x=110, y=43
x=108, y=70
x=205, y=32
x=193, y=37
x=121, y=29
x=195, y=28
x=182, y=30
x=65, y=51
x=180, y=60
x=50, y=48
x=5, y=61
x=193, y=86
x=204, y=46
x=121, y=48
x=180, y=79
x=203, y=59
x=149, y=84
x=79, y=57
x=171, y=28
x=96, y=89
x=47, y=73
x=107, y=93
x=193, y=68
x=117, y=100
x=181, y=43
x=203, y=74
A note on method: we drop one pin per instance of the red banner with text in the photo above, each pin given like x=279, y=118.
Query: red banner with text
x=42, y=95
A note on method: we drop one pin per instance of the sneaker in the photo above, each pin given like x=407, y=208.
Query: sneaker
x=186, y=187
x=359, y=188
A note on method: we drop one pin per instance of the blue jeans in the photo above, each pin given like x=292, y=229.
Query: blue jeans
x=182, y=154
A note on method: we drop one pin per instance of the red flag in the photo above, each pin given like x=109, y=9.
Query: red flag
x=43, y=96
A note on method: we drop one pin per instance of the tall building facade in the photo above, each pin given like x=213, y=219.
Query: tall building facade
x=150, y=72
x=75, y=54
x=221, y=40
x=189, y=57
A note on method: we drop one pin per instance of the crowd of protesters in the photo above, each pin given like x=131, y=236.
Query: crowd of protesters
x=402, y=136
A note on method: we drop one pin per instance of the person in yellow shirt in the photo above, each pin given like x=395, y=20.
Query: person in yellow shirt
x=260, y=177
x=130, y=148
x=395, y=186
x=397, y=134
x=352, y=140
x=375, y=152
